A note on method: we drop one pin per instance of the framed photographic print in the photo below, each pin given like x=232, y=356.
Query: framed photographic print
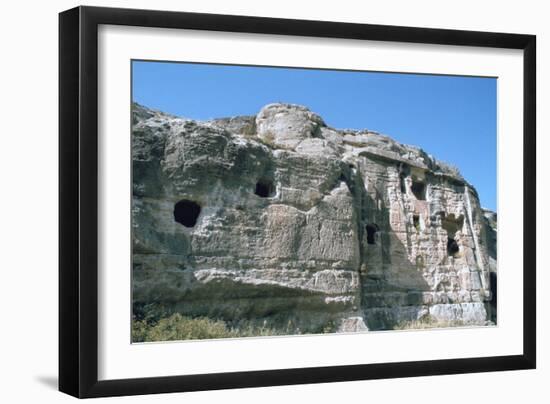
x=251, y=201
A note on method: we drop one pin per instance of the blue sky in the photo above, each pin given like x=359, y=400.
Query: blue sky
x=453, y=118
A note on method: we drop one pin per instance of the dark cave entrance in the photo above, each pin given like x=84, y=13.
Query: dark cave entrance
x=186, y=212
x=419, y=190
x=416, y=222
x=452, y=247
x=372, y=229
x=264, y=188
x=452, y=224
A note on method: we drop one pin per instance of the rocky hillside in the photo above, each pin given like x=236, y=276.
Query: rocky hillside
x=279, y=220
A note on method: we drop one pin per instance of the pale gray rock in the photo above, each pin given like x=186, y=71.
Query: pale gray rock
x=467, y=313
x=353, y=324
x=286, y=126
x=279, y=219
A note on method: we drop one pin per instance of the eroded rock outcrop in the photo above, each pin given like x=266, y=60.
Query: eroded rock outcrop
x=279, y=219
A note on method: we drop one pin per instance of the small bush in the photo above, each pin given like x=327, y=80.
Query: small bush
x=139, y=331
x=155, y=324
x=449, y=169
x=178, y=327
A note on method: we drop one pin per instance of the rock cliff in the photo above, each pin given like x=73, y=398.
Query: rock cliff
x=280, y=220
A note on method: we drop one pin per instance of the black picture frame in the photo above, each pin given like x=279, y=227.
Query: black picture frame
x=78, y=201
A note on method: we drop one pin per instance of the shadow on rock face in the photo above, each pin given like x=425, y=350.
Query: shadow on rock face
x=392, y=286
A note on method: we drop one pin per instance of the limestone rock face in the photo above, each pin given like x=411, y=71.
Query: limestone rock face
x=279, y=219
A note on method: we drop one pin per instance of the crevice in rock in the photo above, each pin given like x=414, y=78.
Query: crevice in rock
x=372, y=229
x=349, y=175
x=416, y=222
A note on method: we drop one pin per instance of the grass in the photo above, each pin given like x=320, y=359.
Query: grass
x=161, y=326
x=177, y=327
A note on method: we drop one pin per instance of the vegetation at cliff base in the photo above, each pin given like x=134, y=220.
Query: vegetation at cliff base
x=177, y=327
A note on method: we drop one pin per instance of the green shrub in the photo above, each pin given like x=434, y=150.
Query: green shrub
x=139, y=330
x=178, y=327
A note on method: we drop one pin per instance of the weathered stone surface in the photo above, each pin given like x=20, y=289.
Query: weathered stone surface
x=286, y=126
x=282, y=220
